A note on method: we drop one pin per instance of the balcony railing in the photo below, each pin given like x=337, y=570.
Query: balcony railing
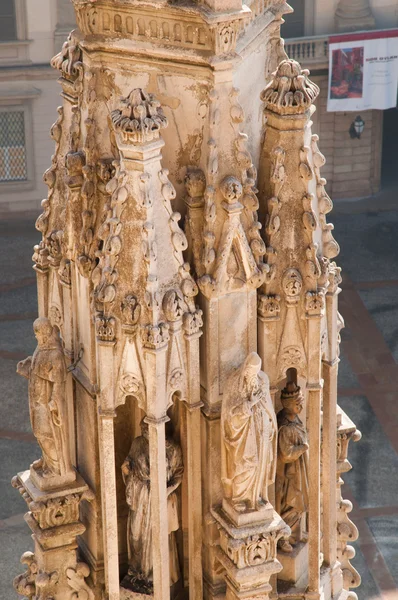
x=309, y=51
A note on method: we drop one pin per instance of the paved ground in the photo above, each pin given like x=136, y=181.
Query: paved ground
x=368, y=234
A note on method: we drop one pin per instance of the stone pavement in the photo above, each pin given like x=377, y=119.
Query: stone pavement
x=368, y=234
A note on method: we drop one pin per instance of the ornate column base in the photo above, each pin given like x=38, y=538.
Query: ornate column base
x=53, y=571
x=248, y=555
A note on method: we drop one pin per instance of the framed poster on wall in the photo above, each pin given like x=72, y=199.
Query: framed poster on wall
x=363, y=71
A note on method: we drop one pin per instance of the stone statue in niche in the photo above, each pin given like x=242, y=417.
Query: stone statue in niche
x=46, y=372
x=136, y=476
x=291, y=488
x=249, y=438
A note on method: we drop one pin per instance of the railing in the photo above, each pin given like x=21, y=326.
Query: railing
x=311, y=51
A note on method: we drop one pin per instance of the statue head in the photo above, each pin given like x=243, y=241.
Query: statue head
x=43, y=330
x=292, y=398
x=144, y=428
x=251, y=371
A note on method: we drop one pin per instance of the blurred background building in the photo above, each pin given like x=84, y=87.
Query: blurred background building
x=354, y=167
x=31, y=32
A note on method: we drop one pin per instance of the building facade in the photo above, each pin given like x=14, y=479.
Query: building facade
x=355, y=167
x=30, y=34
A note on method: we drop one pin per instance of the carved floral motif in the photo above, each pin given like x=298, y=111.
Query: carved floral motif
x=269, y=307
x=141, y=117
x=290, y=90
x=77, y=582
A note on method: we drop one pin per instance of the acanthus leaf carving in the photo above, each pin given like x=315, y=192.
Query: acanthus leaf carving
x=25, y=584
x=105, y=328
x=269, y=307
x=140, y=119
x=155, y=336
x=77, y=582
x=314, y=303
x=68, y=60
x=192, y=322
x=290, y=90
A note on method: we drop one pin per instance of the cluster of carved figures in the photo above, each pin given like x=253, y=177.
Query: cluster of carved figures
x=221, y=486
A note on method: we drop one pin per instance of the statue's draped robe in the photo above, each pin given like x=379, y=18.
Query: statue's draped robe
x=138, y=497
x=47, y=376
x=249, y=444
x=292, y=471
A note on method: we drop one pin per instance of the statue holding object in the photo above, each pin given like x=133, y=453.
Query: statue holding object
x=136, y=476
x=292, y=488
x=249, y=438
x=46, y=372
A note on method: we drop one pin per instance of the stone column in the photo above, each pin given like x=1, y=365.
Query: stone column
x=53, y=569
x=330, y=374
x=41, y=267
x=315, y=306
x=193, y=468
x=64, y=275
x=155, y=361
x=106, y=415
x=354, y=15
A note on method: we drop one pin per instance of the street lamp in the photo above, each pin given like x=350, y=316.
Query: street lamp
x=357, y=127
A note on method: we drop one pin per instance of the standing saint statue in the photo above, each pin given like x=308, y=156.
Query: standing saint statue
x=136, y=476
x=46, y=372
x=249, y=437
x=292, y=470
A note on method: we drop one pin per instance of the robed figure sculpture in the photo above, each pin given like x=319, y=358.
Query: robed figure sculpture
x=291, y=488
x=249, y=437
x=46, y=372
x=137, y=478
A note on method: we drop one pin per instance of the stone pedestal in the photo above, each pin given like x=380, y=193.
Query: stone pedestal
x=248, y=553
x=294, y=564
x=53, y=517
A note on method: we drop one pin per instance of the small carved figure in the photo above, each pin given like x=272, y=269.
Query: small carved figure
x=249, y=436
x=136, y=476
x=292, y=469
x=46, y=371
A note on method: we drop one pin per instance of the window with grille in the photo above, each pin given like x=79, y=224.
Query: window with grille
x=13, y=165
x=8, y=22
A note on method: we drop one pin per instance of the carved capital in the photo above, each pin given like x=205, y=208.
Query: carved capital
x=105, y=328
x=314, y=303
x=192, y=322
x=269, y=307
x=155, y=336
